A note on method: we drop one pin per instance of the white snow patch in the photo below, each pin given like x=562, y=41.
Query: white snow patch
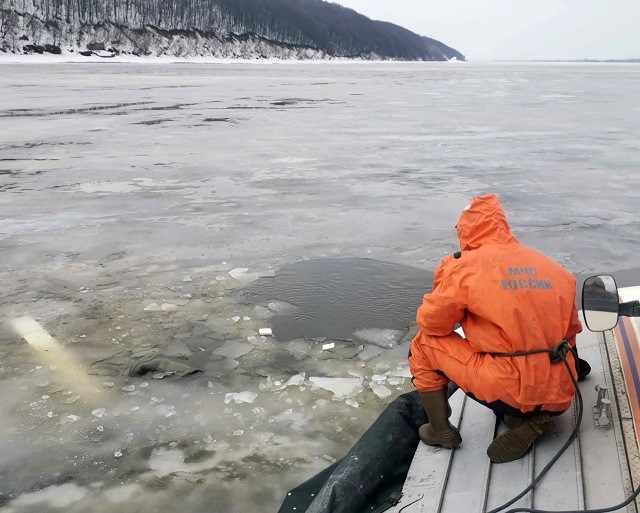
x=61, y=496
x=167, y=461
x=328, y=346
x=122, y=493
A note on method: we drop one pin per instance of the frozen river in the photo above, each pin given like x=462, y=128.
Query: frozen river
x=137, y=202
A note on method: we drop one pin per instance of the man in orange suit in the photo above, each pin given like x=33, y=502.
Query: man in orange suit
x=507, y=298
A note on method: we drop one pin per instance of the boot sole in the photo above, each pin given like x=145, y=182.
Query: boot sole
x=515, y=443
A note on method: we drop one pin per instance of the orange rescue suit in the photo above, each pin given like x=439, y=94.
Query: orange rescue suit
x=508, y=298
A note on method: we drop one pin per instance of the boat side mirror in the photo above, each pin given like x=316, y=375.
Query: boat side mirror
x=600, y=303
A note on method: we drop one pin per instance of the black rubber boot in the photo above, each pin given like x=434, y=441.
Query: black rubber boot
x=438, y=431
x=514, y=444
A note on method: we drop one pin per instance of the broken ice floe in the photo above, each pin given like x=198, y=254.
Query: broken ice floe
x=98, y=412
x=342, y=388
x=235, y=318
x=370, y=352
x=282, y=307
x=242, y=275
x=265, y=332
x=380, y=337
x=277, y=385
x=352, y=402
x=330, y=345
x=381, y=391
x=233, y=349
x=240, y=397
x=169, y=307
x=153, y=307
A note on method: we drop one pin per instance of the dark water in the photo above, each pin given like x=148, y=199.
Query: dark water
x=336, y=297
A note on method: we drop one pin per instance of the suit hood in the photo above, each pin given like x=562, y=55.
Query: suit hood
x=483, y=222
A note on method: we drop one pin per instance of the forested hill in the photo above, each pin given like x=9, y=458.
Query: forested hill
x=220, y=28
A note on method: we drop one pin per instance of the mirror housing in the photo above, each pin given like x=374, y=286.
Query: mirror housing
x=600, y=303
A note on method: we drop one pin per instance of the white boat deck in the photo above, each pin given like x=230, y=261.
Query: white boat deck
x=592, y=473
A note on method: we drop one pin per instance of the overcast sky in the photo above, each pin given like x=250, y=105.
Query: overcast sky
x=518, y=29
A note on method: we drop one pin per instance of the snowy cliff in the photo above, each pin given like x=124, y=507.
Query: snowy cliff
x=287, y=29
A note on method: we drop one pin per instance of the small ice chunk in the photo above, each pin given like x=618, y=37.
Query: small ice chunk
x=235, y=318
x=267, y=274
x=169, y=307
x=246, y=318
x=53, y=367
x=282, y=307
x=187, y=279
x=144, y=384
x=238, y=432
x=258, y=410
x=262, y=312
x=396, y=381
x=403, y=371
x=73, y=418
x=153, y=307
x=352, y=402
x=298, y=379
x=98, y=412
x=240, y=397
x=370, y=352
x=265, y=332
x=207, y=439
x=242, y=275
x=108, y=384
x=128, y=388
x=381, y=391
x=100, y=428
x=341, y=387
x=72, y=400
x=117, y=454
x=378, y=378
x=384, y=338
x=330, y=345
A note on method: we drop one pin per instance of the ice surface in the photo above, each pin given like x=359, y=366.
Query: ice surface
x=169, y=307
x=104, y=215
x=341, y=387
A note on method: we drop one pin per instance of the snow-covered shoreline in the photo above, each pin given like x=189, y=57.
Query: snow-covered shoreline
x=74, y=58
